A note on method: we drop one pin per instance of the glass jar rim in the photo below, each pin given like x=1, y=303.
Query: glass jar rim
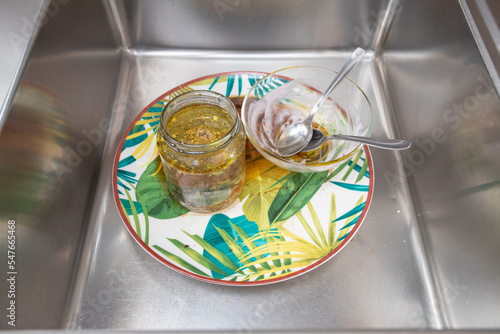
x=190, y=98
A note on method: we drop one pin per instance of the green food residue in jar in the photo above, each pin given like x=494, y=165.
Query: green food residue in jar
x=199, y=124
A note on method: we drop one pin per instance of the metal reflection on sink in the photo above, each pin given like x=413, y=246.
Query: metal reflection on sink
x=426, y=257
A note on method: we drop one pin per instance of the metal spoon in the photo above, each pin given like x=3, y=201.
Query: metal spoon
x=318, y=138
x=295, y=137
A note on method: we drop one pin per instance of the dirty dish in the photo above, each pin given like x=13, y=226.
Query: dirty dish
x=287, y=96
x=296, y=136
x=282, y=225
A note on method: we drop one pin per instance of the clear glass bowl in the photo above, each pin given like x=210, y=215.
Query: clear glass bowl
x=287, y=95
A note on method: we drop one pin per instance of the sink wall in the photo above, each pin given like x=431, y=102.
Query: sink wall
x=47, y=169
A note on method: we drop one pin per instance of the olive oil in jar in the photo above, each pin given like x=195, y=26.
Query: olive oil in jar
x=199, y=124
x=202, y=147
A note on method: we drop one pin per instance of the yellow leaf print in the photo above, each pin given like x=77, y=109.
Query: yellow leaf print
x=261, y=186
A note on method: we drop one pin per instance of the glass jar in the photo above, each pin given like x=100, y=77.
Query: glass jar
x=202, y=148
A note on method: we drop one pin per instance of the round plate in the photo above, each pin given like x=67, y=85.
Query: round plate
x=283, y=225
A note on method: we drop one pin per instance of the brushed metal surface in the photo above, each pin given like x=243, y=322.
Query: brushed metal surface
x=451, y=109
x=19, y=23
x=243, y=25
x=483, y=17
x=48, y=165
x=336, y=295
x=426, y=257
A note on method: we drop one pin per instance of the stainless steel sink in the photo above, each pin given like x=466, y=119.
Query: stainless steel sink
x=427, y=255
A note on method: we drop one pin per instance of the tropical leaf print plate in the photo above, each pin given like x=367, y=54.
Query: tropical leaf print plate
x=283, y=225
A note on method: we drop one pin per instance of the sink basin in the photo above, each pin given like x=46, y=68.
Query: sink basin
x=426, y=257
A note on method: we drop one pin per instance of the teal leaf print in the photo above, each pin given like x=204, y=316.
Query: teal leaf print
x=230, y=84
x=137, y=140
x=128, y=207
x=213, y=83
x=223, y=236
x=351, y=223
x=350, y=186
x=359, y=168
x=352, y=212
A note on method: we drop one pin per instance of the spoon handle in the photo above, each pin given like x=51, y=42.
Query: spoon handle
x=392, y=144
x=353, y=60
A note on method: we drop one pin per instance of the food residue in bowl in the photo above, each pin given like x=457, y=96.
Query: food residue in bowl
x=291, y=103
